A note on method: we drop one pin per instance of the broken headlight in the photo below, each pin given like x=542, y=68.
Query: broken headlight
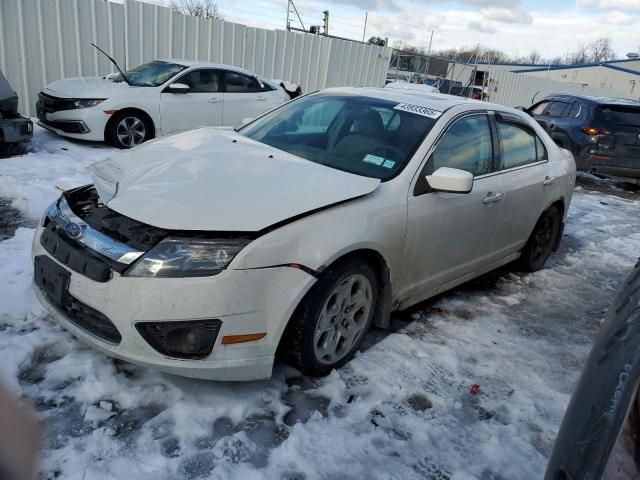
x=187, y=257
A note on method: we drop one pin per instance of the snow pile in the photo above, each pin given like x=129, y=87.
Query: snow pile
x=402, y=409
x=30, y=180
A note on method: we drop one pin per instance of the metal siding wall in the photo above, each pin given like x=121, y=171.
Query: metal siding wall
x=519, y=89
x=45, y=40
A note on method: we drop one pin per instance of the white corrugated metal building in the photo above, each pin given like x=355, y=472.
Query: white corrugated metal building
x=616, y=78
x=620, y=77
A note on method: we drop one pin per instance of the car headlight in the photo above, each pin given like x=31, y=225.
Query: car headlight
x=88, y=102
x=187, y=257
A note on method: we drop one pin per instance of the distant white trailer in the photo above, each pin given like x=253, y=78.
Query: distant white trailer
x=412, y=86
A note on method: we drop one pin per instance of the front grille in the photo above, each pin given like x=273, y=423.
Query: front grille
x=84, y=202
x=68, y=126
x=91, y=320
x=53, y=282
x=51, y=104
x=74, y=255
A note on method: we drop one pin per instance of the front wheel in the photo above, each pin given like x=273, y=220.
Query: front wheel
x=128, y=129
x=331, y=321
x=542, y=240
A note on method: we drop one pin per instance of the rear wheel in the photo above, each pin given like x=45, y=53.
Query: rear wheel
x=128, y=129
x=542, y=240
x=330, y=322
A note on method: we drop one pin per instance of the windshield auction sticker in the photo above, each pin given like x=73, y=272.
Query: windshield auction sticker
x=418, y=109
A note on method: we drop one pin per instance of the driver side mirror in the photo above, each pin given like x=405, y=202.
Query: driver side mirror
x=451, y=180
x=178, y=88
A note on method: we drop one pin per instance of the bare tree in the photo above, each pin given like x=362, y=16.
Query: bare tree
x=197, y=8
x=534, y=57
x=580, y=55
x=601, y=50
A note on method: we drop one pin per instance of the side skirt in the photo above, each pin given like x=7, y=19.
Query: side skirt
x=408, y=302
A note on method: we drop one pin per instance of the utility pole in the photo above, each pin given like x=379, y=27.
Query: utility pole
x=429, y=54
x=325, y=21
x=288, y=12
x=364, y=32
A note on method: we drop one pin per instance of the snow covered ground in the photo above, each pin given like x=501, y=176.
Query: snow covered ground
x=401, y=409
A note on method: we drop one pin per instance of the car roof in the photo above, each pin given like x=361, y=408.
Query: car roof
x=196, y=63
x=595, y=100
x=437, y=101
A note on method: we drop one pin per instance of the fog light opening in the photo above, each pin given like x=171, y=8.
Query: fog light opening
x=187, y=340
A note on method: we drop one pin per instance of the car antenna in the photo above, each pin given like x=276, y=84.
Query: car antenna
x=114, y=62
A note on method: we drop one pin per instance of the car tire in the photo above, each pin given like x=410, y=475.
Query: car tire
x=329, y=324
x=602, y=414
x=128, y=129
x=542, y=241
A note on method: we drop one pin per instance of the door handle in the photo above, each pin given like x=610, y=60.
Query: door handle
x=548, y=180
x=261, y=99
x=492, y=197
x=215, y=100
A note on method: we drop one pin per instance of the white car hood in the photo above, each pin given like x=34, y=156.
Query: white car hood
x=218, y=180
x=85, y=87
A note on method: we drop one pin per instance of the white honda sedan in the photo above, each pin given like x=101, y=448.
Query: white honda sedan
x=156, y=98
x=207, y=253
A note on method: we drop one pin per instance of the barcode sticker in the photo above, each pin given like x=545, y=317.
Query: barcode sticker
x=418, y=109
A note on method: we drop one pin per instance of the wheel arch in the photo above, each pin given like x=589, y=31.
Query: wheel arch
x=377, y=261
x=137, y=110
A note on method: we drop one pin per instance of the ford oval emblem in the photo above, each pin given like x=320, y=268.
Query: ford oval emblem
x=73, y=230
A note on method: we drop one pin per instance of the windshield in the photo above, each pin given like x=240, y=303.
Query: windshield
x=152, y=74
x=362, y=135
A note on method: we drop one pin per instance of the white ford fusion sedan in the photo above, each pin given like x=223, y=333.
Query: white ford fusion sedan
x=156, y=98
x=209, y=252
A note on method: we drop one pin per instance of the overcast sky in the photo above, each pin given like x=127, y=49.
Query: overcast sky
x=551, y=27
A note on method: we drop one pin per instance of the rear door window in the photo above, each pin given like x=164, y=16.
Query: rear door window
x=519, y=145
x=240, y=83
x=557, y=109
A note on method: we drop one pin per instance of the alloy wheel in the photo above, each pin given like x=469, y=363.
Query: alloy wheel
x=343, y=318
x=131, y=131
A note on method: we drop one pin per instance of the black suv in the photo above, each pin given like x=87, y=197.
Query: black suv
x=602, y=133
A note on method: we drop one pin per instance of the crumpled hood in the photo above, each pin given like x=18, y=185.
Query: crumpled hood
x=85, y=87
x=217, y=180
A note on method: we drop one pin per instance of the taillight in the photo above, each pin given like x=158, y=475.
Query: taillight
x=592, y=131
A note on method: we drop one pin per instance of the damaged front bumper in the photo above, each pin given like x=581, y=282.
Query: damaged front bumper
x=15, y=129
x=107, y=311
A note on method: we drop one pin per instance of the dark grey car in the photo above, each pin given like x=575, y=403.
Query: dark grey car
x=14, y=128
